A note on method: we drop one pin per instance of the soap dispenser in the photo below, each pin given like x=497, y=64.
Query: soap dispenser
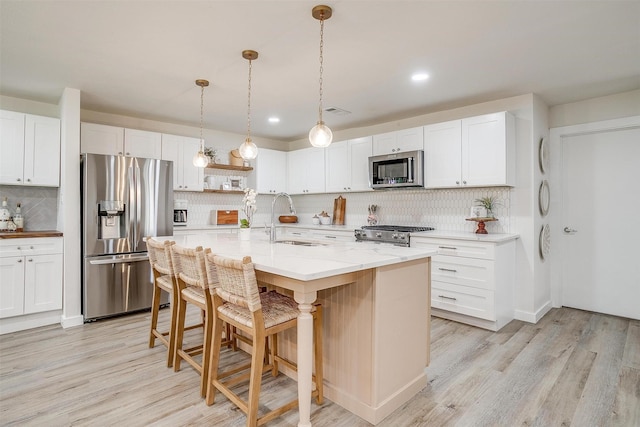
x=5, y=216
x=18, y=219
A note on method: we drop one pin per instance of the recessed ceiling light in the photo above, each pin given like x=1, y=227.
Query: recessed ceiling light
x=274, y=120
x=418, y=77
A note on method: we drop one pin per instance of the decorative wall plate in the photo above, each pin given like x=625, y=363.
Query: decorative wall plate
x=544, y=198
x=545, y=241
x=543, y=155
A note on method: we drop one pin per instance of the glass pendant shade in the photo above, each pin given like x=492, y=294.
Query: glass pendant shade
x=200, y=160
x=320, y=135
x=248, y=150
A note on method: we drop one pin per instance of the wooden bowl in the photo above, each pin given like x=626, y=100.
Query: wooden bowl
x=288, y=219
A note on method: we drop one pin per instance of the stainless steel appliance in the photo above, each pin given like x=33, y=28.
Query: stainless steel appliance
x=399, y=235
x=124, y=199
x=397, y=170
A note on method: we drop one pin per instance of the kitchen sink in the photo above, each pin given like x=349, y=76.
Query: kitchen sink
x=299, y=243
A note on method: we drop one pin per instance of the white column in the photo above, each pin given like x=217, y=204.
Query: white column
x=305, y=355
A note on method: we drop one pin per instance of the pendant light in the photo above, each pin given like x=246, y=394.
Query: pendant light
x=320, y=135
x=200, y=160
x=248, y=149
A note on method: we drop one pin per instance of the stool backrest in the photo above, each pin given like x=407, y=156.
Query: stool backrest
x=160, y=256
x=237, y=282
x=189, y=265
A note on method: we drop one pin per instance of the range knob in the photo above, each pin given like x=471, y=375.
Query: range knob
x=378, y=234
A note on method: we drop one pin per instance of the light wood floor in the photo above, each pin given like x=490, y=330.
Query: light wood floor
x=572, y=368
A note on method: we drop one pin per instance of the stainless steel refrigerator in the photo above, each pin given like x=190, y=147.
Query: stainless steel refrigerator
x=124, y=200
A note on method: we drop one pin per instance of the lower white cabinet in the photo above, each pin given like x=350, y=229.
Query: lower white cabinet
x=472, y=281
x=31, y=271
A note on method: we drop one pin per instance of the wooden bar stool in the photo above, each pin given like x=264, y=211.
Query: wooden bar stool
x=164, y=279
x=237, y=301
x=192, y=282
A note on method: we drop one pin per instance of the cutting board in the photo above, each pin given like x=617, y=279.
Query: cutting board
x=226, y=217
x=339, y=206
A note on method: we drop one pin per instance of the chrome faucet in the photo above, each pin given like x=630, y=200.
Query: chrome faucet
x=272, y=229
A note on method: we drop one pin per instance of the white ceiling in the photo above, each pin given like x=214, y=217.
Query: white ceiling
x=141, y=58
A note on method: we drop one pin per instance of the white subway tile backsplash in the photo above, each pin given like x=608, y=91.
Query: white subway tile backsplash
x=441, y=209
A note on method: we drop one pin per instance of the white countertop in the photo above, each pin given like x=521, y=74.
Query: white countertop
x=304, y=263
x=435, y=234
x=464, y=235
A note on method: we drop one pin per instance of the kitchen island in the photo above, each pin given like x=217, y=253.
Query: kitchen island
x=376, y=314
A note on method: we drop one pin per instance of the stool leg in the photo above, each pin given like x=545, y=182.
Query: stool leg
x=257, y=358
x=155, y=307
x=182, y=308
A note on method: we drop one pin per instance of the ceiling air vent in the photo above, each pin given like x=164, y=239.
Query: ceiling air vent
x=337, y=111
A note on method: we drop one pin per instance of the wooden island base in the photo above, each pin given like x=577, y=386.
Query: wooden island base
x=376, y=335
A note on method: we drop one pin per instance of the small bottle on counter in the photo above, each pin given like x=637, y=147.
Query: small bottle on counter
x=18, y=219
x=4, y=216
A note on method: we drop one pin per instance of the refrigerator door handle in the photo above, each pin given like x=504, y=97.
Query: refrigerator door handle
x=126, y=278
x=119, y=260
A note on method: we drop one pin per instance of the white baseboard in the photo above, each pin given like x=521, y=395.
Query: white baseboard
x=533, y=317
x=68, y=322
x=29, y=321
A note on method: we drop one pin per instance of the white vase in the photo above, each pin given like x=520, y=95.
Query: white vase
x=245, y=233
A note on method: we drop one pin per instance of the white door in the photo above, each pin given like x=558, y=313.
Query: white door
x=601, y=202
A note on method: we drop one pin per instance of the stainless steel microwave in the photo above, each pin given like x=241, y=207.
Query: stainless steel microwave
x=397, y=170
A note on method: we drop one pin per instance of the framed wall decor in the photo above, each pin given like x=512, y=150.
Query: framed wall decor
x=544, y=241
x=543, y=155
x=544, y=198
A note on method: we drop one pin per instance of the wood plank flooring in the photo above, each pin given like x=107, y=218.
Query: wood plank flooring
x=572, y=368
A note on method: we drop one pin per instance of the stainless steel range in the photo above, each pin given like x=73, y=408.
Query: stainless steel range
x=399, y=235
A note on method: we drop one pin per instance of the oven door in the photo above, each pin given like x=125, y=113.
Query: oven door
x=397, y=170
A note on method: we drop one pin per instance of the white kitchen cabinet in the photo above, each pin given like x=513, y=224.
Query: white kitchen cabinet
x=270, y=172
x=180, y=150
x=306, y=171
x=32, y=276
x=347, y=165
x=117, y=141
x=475, y=152
x=29, y=150
x=443, y=154
x=398, y=141
x=472, y=281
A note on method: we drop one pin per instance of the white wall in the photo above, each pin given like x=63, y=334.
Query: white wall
x=69, y=205
x=625, y=104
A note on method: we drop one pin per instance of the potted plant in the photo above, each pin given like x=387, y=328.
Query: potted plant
x=489, y=203
x=210, y=153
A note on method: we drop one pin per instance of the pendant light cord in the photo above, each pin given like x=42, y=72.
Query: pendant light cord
x=201, y=114
x=249, y=105
x=321, y=68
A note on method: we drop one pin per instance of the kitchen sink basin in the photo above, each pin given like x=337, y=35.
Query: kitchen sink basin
x=298, y=243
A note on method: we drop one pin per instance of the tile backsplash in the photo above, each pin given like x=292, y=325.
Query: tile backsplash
x=39, y=205
x=445, y=209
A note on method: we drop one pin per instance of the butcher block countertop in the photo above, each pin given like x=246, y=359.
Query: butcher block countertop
x=29, y=234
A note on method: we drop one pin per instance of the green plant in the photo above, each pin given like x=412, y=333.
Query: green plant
x=488, y=202
x=209, y=152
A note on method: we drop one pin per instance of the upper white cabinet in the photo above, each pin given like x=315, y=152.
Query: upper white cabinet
x=103, y=139
x=347, y=165
x=29, y=149
x=270, y=172
x=180, y=150
x=398, y=141
x=306, y=171
x=443, y=154
x=476, y=151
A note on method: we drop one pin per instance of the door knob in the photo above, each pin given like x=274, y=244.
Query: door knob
x=570, y=230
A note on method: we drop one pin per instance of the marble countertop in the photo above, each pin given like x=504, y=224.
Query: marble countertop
x=436, y=234
x=328, y=258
